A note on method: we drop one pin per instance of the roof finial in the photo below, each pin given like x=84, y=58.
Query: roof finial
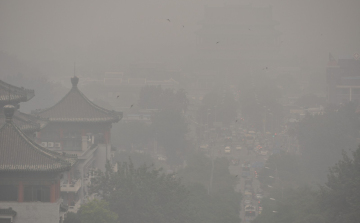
x=74, y=81
x=9, y=111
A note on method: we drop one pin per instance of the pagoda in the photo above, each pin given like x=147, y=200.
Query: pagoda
x=10, y=94
x=13, y=95
x=75, y=125
x=30, y=177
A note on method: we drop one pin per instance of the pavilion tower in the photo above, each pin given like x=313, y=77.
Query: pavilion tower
x=29, y=177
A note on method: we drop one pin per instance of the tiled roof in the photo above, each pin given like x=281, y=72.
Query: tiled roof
x=17, y=94
x=25, y=122
x=76, y=107
x=19, y=153
x=7, y=211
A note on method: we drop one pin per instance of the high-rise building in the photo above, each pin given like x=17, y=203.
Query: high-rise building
x=343, y=80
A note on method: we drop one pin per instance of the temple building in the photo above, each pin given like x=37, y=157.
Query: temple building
x=78, y=126
x=29, y=177
x=10, y=94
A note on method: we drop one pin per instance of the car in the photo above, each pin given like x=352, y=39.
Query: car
x=162, y=158
x=248, y=192
x=259, y=196
x=238, y=147
x=246, y=202
x=264, y=152
x=227, y=149
x=204, y=147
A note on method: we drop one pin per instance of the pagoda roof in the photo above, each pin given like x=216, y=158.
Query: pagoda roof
x=20, y=154
x=17, y=94
x=76, y=107
x=25, y=122
x=7, y=211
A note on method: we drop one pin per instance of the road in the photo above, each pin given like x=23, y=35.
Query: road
x=243, y=157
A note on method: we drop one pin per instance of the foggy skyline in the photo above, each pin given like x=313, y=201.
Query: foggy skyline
x=110, y=35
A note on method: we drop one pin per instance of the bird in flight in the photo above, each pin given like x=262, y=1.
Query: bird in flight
x=118, y=96
x=236, y=120
x=131, y=106
x=183, y=26
x=168, y=20
x=249, y=29
x=217, y=42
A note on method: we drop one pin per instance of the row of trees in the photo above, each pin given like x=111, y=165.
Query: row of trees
x=147, y=194
x=337, y=201
x=322, y=138
x=168, y=129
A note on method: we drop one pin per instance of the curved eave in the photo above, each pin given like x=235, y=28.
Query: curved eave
x=89, y=120
x=61, y=163
x=33, y=168
x=30, y=128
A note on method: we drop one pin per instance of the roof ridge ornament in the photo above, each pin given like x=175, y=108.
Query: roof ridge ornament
x=74, y=81
x=9, y=111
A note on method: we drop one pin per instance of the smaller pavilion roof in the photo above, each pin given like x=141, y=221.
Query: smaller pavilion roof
x=7, y=212
x=25, y=122
x=18, y=153
x=76, y=107
x=12, y=94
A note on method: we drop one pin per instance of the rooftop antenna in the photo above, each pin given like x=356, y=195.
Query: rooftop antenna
x=74, y=67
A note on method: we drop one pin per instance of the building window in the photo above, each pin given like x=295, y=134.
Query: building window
x=37, y=193
x=8, y=193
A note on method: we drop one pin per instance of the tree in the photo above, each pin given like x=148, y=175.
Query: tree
x=97, y=211
x=222, y=204
x=337, y=201
x=199, y=170
x=290, y=205
x=143, y=194
x=72, y=217
x=340, y=198
x=322, y=137
x=287, y=170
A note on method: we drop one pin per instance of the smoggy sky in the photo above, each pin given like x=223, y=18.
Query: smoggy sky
x=111, y=34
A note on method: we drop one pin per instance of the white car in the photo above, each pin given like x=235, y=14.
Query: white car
x=259, y=196
x=238, y=148
x=227, y=149
x=162, y=158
